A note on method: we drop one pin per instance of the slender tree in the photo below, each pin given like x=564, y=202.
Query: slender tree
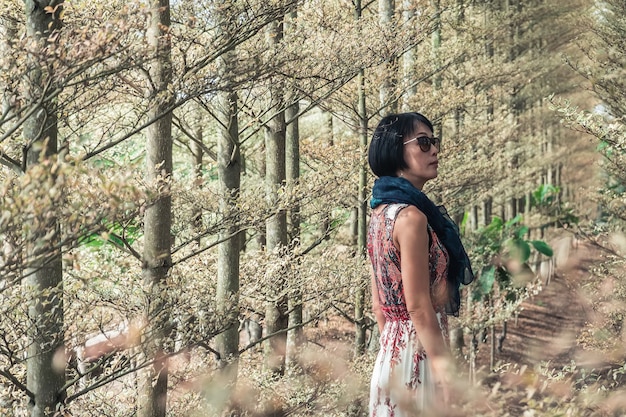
x=276, y=225
x=229, y=169
x=43, y=276
x=408, y=60
x=197, y=158
x=436, y=42
x=387, y=92
x=359, y=301
x=8, y=37
x=158, y=215
x=292, y=174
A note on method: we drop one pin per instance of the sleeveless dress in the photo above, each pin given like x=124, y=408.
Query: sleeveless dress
x=402, y=382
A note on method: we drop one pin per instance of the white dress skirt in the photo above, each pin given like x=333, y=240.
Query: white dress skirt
x=402, y=381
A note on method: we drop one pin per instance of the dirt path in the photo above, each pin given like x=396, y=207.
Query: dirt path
x=550, y=322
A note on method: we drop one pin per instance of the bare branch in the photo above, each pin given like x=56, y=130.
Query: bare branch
x=16, y=382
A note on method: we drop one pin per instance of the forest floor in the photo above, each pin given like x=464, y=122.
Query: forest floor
x=548, y=346
x=550, y=323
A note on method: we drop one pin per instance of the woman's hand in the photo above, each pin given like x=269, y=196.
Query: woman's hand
x=443, y=370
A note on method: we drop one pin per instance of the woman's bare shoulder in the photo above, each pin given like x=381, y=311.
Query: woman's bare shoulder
x=411, y=223
x=411, y=215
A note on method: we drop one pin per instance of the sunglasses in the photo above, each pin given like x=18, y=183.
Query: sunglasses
x=425, y=142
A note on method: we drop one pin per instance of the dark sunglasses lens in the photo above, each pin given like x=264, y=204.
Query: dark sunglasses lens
x=426, y=142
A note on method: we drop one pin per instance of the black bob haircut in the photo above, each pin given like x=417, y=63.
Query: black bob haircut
x=386, y=154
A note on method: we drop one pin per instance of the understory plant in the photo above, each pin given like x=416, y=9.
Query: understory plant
x=500, y=254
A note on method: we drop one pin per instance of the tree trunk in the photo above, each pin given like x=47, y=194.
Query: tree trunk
x=502, y=336
x=472, y=357
x=158, y=215
x=409, y=60
x=229, y=170
x=487, y=211
x=359, y=297
x=492, y=350
x=387, y=93
x=550, y=180
x=436, y=60
x=329, y=129
x=276, y=226
x=197, y=155
x=292, y=172
x=473, y=218
x=261, y=163
x=359, y=305
x=294, y=336
x=328, y=140
x=511, y=207
x=44, y=275
x=8, y=36
x=436, y=42
x=459, y=111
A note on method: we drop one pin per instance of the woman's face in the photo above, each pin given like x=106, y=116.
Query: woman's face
x=421, y=166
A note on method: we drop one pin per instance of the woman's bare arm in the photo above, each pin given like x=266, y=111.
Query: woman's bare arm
x=378, y=312
x=411, y=237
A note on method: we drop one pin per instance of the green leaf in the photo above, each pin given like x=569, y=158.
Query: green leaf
x=115, y=230
x=104, y=163
x=464, y=222
x=493, y=228
x=521, y=232
x=91, y=241
x=519, y=249
x=116, y=241
x=513, y=221
x=486, y=279
x=542, y=247
x=496, y=223
x=544, y=195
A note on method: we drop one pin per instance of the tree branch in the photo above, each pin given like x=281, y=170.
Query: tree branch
x=205, y=149
x=282, y=331
x=16, y=382
x=217, y=242
x=11, y=163
x=126, y=245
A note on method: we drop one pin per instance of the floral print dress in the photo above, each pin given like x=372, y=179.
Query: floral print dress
x=402, y=382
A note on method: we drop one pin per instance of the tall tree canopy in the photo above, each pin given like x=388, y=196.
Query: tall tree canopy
x=170, y=183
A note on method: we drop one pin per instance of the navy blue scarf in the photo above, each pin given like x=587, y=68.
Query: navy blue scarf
x=388, y=190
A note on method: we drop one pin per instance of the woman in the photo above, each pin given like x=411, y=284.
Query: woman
x=418, y=265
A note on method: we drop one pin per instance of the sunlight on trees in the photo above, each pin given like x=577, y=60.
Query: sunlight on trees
x=253, y=118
